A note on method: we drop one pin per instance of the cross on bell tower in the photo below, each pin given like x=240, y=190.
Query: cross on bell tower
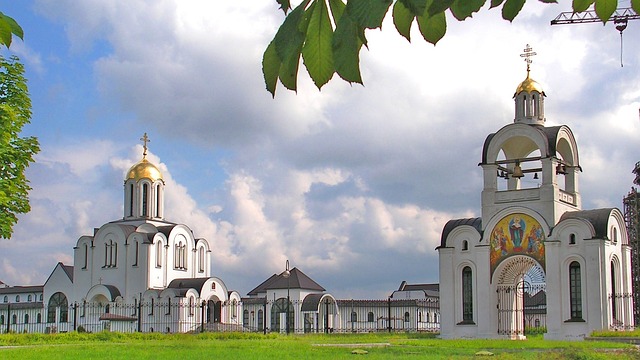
x=145, y=140
x=527, y=55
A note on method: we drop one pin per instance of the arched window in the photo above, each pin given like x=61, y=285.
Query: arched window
x=406, y=316
x=14, y=319
x=467, y=295
x=39, y=318
x=572, y=239
x=234, y=308
x=131, y=200
x=145, y=199
x=1, y=319
x=29, y=298
x=6, y=299
x=260, y=320
x=26, y=318
x=57, y=302
x=354, y=316
x=85, y=249
x=614, y=234
x=137, y=252
x=159, y=254
x=245, y=317
x=280, y=306
x=575, y=291
x=201, y=259
x=17, y=298
x=370, y=317
x=191, y=306
x=158, y=201
x=614, y=295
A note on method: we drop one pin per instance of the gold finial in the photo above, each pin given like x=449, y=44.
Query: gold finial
x=528, y=54
x=145, y=140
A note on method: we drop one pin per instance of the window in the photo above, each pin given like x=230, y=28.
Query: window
x=14, y=319
x=245, y=317
x=153, y=305
x=201, y=259
x=137, y=251
x=260, y=320
x=145, y=197
x=465, y=245
x=370, y=316
x=110, y=253
x=614, y=234
x=614, y=296
x=572, y=239
x=159, y=254
x=58, y=301
x=406, y=316
x=26, y=318
x=234, y=309
x=575, y=291
x=168, y=306
x=354, y=316
x=86, y=256
x=467, y=295
x=39, y=318
x=29, y=298
x=158, y=200
x=420, y=316
x=180, y=256
x=191, y=306
x=131, y=200
x=1, y=319
x=6, y=299
x=17, y=298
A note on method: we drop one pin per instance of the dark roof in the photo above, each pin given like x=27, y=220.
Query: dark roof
x=311, y=302
x=599, y=219
x=536, y=300
x=452, y=224
x=113, y=291
x=413, y=287
x=188, y=283
x=296, y=280
x=68, y=269
x=21, y=289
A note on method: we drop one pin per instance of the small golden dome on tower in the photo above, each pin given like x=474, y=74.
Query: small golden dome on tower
x=144, y=169
x=529, y=85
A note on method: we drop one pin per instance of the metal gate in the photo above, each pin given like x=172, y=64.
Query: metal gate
x=520, y=305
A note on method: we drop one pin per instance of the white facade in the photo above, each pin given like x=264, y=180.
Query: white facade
x=534, y=236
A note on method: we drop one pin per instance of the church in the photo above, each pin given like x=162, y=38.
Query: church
x=138, y=273
x=534, y=239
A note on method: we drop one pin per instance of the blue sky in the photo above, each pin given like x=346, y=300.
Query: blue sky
x=352, y=184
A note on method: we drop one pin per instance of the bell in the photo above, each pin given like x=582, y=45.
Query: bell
x=517, y=171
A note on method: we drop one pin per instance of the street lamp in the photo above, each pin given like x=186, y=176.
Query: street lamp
x=286, y=275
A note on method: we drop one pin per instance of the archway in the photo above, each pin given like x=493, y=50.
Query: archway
x=520, y=296
x=214, y=310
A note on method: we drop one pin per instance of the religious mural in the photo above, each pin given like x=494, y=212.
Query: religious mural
x=516, y=234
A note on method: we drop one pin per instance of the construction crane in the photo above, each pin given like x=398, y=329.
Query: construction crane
x=620, y=18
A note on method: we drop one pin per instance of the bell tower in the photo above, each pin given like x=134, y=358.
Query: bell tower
x=144, y=189
x=529, y=164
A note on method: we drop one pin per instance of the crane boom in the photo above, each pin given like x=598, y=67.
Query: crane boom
x=590, y=16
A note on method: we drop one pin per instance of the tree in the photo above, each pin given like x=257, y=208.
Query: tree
x=16, y=153
x=329, y=34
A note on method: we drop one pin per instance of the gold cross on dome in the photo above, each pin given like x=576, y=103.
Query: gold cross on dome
x=528, y=54
x=145, y=140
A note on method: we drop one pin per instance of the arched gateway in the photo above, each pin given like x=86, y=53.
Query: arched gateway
x=534, y=258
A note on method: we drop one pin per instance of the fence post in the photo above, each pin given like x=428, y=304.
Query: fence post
x=75, y=316
x=389, y=313
x=326, y=316
x=8, y=317
x=202, y=316
x=139, y=306
x=264, y=317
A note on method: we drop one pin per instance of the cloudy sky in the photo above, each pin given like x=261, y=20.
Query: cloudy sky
x=352, y=184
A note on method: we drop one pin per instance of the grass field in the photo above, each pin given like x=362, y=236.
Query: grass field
x=274, y=346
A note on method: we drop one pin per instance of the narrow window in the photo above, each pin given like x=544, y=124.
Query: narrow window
x=201, y=259
x=137, y=250
x=465, y=245
x=406, y=316
x=17, y=298
x=191, y=307
x=153, y=305
x=114, y=262
x=614, y=295
x=29, y=298
x=26, y=318
x=467, y=295
x=85, y=247
x=370, y=316
x=14, y=319
x=169, y=306
x=354, y=316
x=145, y=199
x=6, y=299
x=572, y=239
x=575, y=291
x=1, y=319
x=131, y=200
x=158, y=200
x=39, y=318
x=159, y=254
x=106, y=254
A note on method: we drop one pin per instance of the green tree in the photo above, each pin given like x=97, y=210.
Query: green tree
x=329, y=34
x=16, y=153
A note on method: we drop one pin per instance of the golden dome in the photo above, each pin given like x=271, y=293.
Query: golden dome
x=144, y=170
x=529, y=85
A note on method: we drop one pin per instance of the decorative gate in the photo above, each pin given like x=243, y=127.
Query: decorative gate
x=520, y=306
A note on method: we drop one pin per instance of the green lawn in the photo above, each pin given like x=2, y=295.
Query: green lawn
x=258, y=346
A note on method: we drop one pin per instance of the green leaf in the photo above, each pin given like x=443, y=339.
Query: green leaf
x=5, y=32
x=438, y=6
x=433, y=27
x=635, y=4
x=416, y=7
x=495, y=3
x=285, y=5
x=605, y=8
x=337, y=9
x=511, y=9
x=581, y=5
x=368, y=13
x=346, y=47
x=402, y=19
x=462, y=9
x=288, y=43
x=317, y=52
x=271, y=67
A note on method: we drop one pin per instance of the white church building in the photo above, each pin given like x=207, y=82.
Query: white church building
x=138, y=273
x=534, y=237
